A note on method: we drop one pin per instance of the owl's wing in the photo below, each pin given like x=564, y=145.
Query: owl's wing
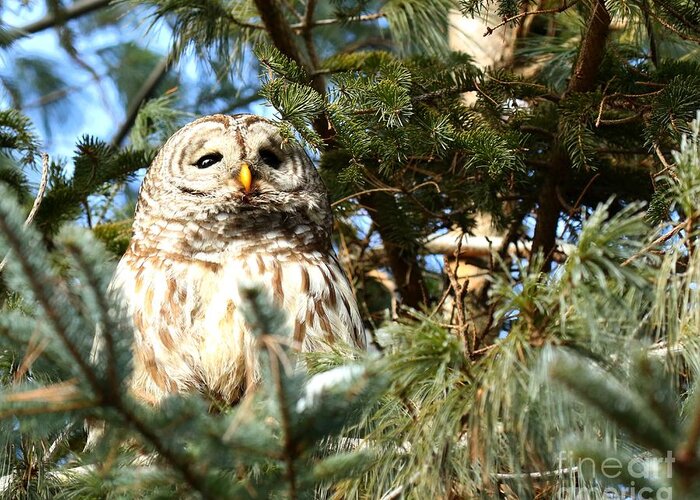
x=326, y=307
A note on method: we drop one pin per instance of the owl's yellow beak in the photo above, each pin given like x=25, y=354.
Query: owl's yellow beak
x=245, y=177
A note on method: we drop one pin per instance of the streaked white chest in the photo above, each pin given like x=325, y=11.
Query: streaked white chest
x=190, y=332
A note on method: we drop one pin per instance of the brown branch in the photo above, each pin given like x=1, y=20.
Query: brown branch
x=282, y=37
x=678, y=16
x=507, y=20
x=672, y=28
x=548, y=210
x=54, y=19
x=653, y=47
x=403, y=262
x=592, y=50
x=688, y=451
x=279, y=30
x=583, y=79
x=281, y=33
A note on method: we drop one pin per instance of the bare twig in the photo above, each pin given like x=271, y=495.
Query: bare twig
x=144, y=93
x=583, y=192
x=35, y=347
x=620, y=121
x=661, y=239
x=38, y=199
x=478, y=89
x=41, y=191
x=628, y=119
x=327, y=22
x=538, y=475
x=662, y=158
x=386, y=190
x=62, y=92
x=73, y=11
x=672, y=28
x=460, y=290
x=365, y=191
x=398, y=491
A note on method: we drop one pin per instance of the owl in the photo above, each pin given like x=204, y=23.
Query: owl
x=228, y=202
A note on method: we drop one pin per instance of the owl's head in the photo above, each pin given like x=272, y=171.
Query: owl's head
x=220, y=166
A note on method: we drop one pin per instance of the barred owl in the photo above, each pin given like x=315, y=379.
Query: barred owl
x=228, y=202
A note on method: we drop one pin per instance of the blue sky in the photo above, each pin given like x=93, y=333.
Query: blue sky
x=94, y=107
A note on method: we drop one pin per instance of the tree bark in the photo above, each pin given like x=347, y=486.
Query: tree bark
x=583, y=79
x=282, y=36
x=403, y=262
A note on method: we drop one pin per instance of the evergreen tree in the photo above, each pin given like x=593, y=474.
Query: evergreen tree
x=570, y=374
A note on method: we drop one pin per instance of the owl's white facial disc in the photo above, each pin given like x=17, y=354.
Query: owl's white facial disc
x=200, y=169
x=232, y=177
x=205, y=158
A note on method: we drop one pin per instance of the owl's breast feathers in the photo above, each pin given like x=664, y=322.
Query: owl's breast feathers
x=189, y=329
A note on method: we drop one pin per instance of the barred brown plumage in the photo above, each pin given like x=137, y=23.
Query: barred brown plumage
x=227, y=202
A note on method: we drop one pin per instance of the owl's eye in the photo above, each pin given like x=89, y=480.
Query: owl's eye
x=208, y=160
x=270, y=158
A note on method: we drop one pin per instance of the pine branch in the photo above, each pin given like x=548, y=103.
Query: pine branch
x=284, y=405
x=282, y=36
x=177, y=460
x=95, y=283
x=403, y=263
x=39, y=282
x=673, y=29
